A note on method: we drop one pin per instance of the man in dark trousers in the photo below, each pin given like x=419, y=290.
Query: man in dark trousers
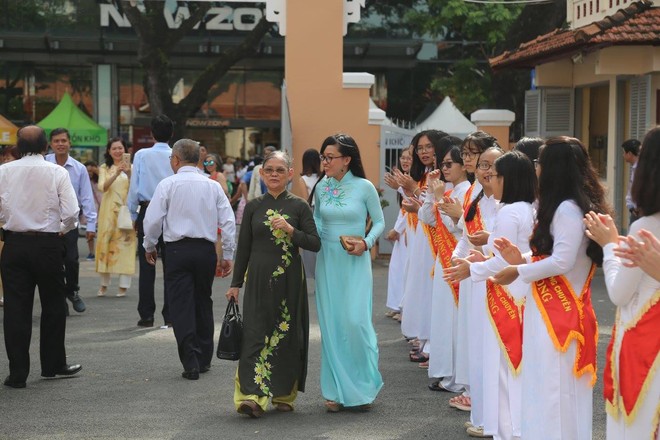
x=60, y=142
x=630, y=155
x=150, y=166
x=188, y=209
x=37, y=205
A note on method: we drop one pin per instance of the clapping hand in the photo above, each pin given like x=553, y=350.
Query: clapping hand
x=391, y=181
x=644, y=254
x=509, y=251
x=405, y=181
x=458, y=272
x=410, y=205
x=438, y=188
x=479, y=238
x=600, y=228
x=506, y=276
x=451, y=207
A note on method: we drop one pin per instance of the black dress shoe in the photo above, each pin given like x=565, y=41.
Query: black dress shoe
x=11, y=382
x=146, y=322
x=204, y=368
x=191, y=375
x=67, y=370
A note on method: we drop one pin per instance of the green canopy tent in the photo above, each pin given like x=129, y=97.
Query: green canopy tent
x=84, y=131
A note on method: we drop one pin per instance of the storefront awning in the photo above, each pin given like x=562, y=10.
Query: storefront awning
x=7, y=132
x=85, y=132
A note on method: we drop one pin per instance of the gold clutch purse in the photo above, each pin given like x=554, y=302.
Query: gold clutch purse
x=346, y=239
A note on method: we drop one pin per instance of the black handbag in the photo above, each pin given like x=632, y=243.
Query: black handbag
x=231, y=333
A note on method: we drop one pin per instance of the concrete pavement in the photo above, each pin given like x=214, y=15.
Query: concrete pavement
x=131, y=385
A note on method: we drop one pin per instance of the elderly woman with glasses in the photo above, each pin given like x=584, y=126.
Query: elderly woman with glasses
x=273, y=363
x=343, y=200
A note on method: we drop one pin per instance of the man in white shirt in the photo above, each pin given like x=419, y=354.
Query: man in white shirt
x=60, y=142
x=189, y=209
x=150, y=166
x=630, y=155
x=37, y=205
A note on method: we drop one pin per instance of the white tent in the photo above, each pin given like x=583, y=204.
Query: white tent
x=448, y=119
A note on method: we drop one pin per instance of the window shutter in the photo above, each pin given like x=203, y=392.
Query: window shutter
x=557, y=112
x=532, y=113
x=640, y=104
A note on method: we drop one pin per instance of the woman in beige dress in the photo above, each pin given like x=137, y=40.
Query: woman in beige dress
x=115, y=248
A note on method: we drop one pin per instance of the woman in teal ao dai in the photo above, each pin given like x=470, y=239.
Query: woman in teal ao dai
x=344, y=284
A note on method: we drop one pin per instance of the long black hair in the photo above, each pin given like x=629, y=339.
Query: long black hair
x=109, y=161
x=418, y=169
x=346, y=146
x=645, y=190
x=520, y=182
x=311, y=163
x=566, y=174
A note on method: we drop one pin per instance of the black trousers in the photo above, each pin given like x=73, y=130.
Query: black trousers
x=28, y=262
x=71, y=263
x=189, y=276
x=147, y=302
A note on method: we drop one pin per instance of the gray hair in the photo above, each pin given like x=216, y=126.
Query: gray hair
x=281, y=155
x=269, y=149
x=187, y=150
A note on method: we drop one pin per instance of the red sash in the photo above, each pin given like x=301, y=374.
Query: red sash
x=412, y=216
x=638, y=362
x=476, y=224
x=568, y=317
x=506, y=319
x=444, y=244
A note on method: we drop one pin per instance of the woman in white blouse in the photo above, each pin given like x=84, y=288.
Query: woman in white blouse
x=514, y=184
x=444, y=302
x=632, y=385
x=559, y=344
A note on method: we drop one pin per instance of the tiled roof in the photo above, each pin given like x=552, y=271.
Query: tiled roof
x=639, y=23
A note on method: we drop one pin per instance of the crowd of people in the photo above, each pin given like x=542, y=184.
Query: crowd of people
x=490, y=275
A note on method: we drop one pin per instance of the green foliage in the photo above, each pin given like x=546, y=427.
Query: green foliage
x=472, y=33
x=468, y=84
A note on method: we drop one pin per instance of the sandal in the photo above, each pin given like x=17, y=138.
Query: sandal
x=424, y=365
x=332, y=406
x=102, y=291
x=283, y=407
x=462, y=403
x=397, y=317
x=390, y=313
x=419, y=357
x=251, y=409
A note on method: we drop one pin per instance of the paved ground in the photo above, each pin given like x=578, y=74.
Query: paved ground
x=130, y=385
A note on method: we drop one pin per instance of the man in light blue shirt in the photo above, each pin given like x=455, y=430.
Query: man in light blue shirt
x=60, y=142
x=150, y=166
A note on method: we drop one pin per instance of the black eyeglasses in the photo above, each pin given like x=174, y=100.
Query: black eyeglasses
x=446, y=165
x=469, y=154
x=484, y=166
x=328, y=159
